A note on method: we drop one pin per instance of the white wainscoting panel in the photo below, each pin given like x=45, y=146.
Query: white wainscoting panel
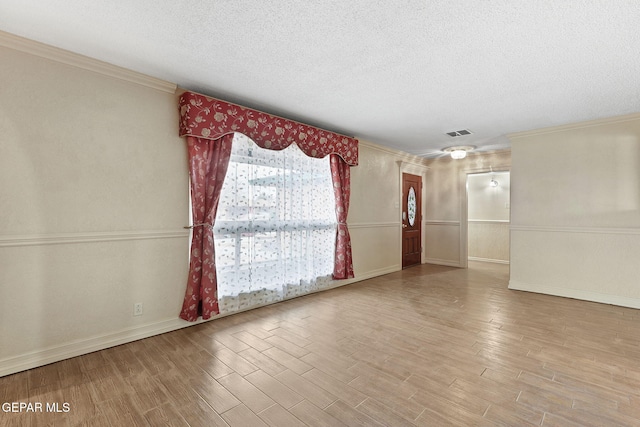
x=488, y=241
x=577, y=262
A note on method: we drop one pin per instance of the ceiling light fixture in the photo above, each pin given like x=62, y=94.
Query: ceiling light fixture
x=458, y=152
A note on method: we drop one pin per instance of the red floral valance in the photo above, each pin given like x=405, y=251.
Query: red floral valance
x=210, y=118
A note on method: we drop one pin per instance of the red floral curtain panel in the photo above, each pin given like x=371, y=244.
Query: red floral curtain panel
x=341, y=176
x=208, y=162
x=209, y=125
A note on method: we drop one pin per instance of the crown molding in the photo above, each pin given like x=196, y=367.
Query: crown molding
x=42, y=50
x=403, y=156
x=574, y=126
x=384, y=149
x=496, y=152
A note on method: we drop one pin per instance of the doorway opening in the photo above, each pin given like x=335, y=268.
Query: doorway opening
x=488, y=216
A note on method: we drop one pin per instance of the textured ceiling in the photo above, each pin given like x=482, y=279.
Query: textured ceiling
x=398, y=73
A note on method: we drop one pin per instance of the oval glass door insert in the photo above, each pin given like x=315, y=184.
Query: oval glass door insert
x=411, y=206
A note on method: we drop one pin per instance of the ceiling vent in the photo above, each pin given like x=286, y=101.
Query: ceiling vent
x=458, y=133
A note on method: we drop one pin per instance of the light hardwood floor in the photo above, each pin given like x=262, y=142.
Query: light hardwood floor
x=428, y=346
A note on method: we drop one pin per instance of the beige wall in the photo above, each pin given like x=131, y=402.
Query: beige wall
x=487, y=203
x=94, y=195
x=375, y=214
x=488, y=241
x=446, y=204
x=576, y=211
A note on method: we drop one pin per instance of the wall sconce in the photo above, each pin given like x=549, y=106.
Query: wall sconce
x=458, y=152
x=493, y=183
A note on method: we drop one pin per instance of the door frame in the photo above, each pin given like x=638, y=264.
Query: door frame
x=411, y=182
x=464, y=207
x=413, y=168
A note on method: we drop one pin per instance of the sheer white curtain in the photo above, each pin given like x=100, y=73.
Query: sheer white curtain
x=275, y=227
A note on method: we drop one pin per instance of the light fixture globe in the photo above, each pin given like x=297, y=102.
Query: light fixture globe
x=458, y=152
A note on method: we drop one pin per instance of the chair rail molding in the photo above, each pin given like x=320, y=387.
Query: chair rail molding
x=586, y=230
x=89, y=237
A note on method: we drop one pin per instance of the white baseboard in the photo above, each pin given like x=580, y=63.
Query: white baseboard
x=55, y=354
x=446, y=262
x=575, y=294
x=43, y=357
x=369, y=275
x=495, y=261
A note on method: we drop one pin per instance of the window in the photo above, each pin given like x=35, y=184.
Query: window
x=275, y=226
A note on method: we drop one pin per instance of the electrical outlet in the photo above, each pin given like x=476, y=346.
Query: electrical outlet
x=137, y=309
x=507, y=205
